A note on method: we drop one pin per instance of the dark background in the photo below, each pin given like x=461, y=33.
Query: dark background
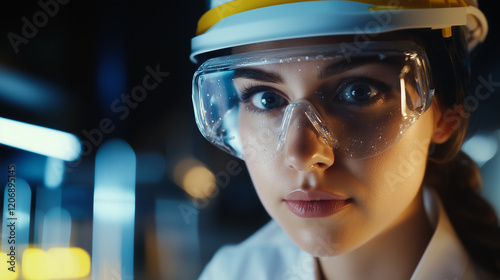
x=90, y=53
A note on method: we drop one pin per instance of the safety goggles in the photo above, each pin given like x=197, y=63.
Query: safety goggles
x=358, y=99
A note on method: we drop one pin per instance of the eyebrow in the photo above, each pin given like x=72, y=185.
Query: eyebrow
x=259, y=75
x=333, y=69
x=344, y=65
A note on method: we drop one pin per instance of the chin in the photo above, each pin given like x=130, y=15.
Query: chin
x=320, y=240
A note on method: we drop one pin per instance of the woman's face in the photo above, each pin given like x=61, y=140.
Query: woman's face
x=326, y=201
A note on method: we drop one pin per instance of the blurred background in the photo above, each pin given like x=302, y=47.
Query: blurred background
x=148, y=192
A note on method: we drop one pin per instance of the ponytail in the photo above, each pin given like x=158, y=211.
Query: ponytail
x=452, y=173
x=458, y=183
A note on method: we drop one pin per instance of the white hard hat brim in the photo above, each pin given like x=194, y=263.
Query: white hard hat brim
x=326, y=18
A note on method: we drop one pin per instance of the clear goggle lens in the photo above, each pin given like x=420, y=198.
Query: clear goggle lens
x=357, y=100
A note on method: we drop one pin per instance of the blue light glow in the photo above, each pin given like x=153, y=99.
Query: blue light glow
x=40, y=140
x=114, y=211
x=27, y=92
x=46, y=199
x=54, y=172
x=56, y=229
x=481, y=148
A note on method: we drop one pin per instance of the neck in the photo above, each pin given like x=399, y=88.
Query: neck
x=393, y=254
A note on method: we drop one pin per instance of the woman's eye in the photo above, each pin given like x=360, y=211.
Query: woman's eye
x=358, y=93
x=363, y=91
x=267, y=100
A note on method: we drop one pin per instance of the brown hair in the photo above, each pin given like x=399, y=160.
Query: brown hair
x=452, y=173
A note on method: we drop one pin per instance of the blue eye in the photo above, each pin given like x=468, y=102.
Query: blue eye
x=358, y=93
x=262, y=98
x=267, y=100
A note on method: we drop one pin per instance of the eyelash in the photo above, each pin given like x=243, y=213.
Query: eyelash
x=248, y=91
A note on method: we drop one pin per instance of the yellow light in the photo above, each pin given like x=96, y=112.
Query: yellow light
x=5, y=272
x=199, y=182
x=35, y=264
x=194, y=178
x=56, y=263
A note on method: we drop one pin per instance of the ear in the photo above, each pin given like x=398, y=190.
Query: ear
x=446, y=122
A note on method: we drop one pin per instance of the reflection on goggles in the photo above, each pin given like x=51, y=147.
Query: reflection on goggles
x=252, y=105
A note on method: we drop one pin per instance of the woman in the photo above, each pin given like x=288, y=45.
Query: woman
x=349, y=117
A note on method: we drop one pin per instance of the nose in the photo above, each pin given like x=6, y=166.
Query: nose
x=305, y=148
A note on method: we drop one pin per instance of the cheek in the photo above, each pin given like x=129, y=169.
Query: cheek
x=405, y=162
x=391, y=181
x=269, y=182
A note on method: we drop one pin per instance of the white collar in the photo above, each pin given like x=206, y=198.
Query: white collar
x=445, y=257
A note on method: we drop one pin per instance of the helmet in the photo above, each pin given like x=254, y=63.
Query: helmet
x=241, y=22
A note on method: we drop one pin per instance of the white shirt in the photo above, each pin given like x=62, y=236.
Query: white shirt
x=270, y=255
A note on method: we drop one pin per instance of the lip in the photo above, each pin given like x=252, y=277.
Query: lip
x=315, y=204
